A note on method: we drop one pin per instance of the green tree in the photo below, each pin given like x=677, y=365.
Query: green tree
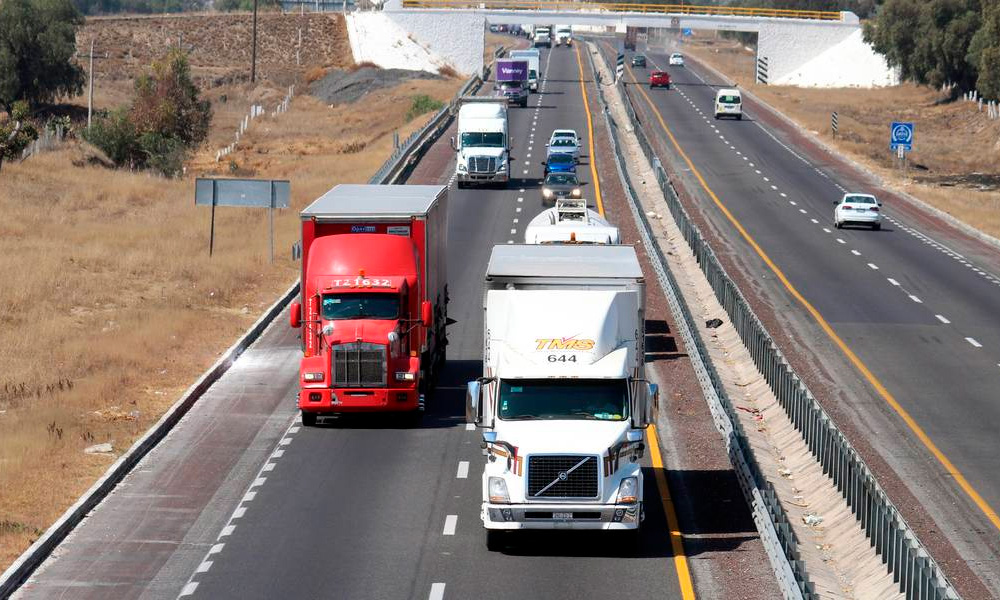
x=929, y=40
x=984, y=52
x=167, y=103
x=16, y=133
x=37, y=45
x=245, y=5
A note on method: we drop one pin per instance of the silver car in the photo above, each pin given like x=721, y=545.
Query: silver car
x=858, y=209
x=564, y=141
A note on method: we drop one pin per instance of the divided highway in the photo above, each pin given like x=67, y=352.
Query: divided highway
x=908, y=319
x=240, y=501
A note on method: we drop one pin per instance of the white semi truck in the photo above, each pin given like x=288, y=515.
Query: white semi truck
x=482, y=144
x=570, y=222
x=564, y=35
x=563, y=402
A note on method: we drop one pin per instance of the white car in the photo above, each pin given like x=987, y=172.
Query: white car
x=676, y=60
x=858, y=209
x=565, y=141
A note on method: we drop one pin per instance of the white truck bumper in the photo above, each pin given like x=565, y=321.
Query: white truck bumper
x=607, y=517
x=501, y=177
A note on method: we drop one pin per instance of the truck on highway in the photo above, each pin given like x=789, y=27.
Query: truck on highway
x=564, y=35
x=533, y=56
x=482, y=144
x=512, y=81
x=374, y=299
x=542, y=36
x=563, y=401
x=570, y=222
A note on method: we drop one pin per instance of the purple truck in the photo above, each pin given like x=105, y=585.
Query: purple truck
x=512, y=81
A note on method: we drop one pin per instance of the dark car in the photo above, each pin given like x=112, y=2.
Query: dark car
x=560, y=185
x=659, y=79
x=639, y=60
x=560, y=163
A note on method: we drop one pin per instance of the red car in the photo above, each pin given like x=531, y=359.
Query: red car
x=659, y=79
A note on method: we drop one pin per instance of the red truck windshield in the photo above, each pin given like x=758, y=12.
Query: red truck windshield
x=360, y=306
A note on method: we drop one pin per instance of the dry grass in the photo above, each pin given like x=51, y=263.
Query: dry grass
x=943, y=172
x=110, y=306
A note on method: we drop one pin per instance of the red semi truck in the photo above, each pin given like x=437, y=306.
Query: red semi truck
x=374, y=298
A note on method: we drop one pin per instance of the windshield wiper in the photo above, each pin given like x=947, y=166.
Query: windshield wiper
x=522, y=418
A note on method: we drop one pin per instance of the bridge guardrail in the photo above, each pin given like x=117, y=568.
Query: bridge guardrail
x=408, y=154
x=918, y=575
x=635, y=7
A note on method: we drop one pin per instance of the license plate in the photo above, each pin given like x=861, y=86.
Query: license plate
x=564, y=516
x=861, y=209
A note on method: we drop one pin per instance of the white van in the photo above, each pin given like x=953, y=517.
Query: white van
x=728, y=103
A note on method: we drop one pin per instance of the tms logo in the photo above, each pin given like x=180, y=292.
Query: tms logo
x=564, y=344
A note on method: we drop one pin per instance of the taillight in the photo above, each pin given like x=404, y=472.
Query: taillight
x=847, y=207
x=873, y=209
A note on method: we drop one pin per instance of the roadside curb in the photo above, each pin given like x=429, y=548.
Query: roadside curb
x=34, y=556
x=915, y=202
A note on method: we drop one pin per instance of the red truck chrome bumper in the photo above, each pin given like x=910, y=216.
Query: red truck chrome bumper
x=327, y=401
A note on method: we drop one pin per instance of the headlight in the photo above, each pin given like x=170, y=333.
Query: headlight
x=498, y=491
x=462, y=168
x=312, y=376
x=405, y=376
x=546, y=193
x=576, y=192
x=628, y=490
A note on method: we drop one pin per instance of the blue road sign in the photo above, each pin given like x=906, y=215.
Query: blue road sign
x=686, y=31
x=901, y=134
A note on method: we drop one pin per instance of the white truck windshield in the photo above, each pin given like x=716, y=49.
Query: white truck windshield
x=482, y=140
x=594, y=399
x=360, y=306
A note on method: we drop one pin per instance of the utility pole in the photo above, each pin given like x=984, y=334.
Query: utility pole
x=90, y=87
x=253, y=47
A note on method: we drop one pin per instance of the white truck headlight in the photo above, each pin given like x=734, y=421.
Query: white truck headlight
x=312, y=376
x=498, y=491
x=628, y=490
x=462, y=168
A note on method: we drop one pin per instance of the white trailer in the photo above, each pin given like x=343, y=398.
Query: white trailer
x=563, y=402
x=483, y=145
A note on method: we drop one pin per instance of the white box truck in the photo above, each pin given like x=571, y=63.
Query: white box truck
x=533, y=56
x=482, y=144
x=563, y=402
x=564, y=35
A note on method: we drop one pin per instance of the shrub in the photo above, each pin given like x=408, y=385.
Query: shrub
x=423, y=104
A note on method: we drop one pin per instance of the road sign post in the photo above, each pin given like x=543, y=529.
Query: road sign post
x=834, y=123
x=264, y=193
x=620, y=66
x=901, y=140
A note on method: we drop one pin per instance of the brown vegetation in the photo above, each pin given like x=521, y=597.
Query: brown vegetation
x=943, y=172
x=110, y=305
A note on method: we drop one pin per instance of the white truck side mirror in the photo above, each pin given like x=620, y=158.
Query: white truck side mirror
x=454, y=146
x=474, y=403
x=642, y=409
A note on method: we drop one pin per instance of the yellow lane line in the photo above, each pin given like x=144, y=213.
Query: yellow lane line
x=676, y=538
x=952, y=470
x=590, y=136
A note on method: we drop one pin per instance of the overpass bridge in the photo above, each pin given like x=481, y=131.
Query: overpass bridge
x=787, y=39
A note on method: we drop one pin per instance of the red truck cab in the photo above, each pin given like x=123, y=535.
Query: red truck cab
x=374, y=299
x=659, y=79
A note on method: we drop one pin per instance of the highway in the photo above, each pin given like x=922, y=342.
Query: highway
x=240, y=501
x=899, y=325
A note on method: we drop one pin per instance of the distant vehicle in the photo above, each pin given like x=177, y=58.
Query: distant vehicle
x=564, y=35
x=728, y=103
x=565, y=143
x=858, y=209
x=559, y=163
x=512, y=80
x=482, y=144
x=570, y=222
x=542, y=37
x=533, y=56
x=631, y=33
x=659, y=79
x=558, y=186
x=638, y=60
x=676, y=60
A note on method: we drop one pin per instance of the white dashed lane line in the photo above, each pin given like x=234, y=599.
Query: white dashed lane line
x=463, y=470
x=974, y=343
x=450, y=523
x=437, y=592
x=916, y=299
x=942, y=319
x=892, y=281
x=873, y=266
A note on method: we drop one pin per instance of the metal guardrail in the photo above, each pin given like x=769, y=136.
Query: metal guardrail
x=776, y=534
x=405, y=157
x=673, y=9
x=918, y=575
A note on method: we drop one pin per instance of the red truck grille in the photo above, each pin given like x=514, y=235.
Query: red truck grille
x=359, y=365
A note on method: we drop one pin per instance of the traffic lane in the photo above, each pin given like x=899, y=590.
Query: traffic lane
x=955, y=285
x=152, y=530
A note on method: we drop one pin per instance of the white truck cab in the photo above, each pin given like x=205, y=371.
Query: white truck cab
x=482, y=143
x=542, y=37
x=563, y=403
x=564, y=35
x=570, y=222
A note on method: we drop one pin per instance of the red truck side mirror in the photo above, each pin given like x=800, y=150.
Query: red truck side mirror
x=295, y=315
x=425, y=313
